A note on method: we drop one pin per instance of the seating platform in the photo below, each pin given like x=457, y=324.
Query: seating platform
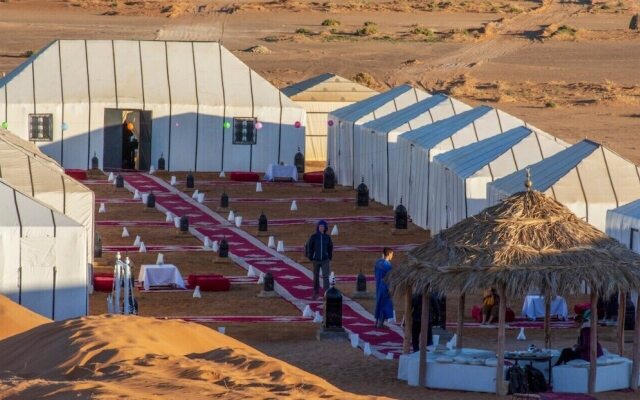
x=313, y=177
x=244, y=176
x=209, y=283
x=613, y=373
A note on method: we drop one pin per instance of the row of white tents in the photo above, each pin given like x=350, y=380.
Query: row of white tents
x=446, y=161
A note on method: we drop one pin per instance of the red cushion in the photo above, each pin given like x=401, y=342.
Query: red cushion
x=209, y=282
x=476, y=314
x=313, y=177
x=103, y=283
x=244, y=176
x=78, y=174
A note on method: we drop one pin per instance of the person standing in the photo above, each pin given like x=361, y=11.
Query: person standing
x=320, y=252
x=384, y=303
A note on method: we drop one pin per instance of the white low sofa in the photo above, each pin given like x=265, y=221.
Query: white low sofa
x=613, y=373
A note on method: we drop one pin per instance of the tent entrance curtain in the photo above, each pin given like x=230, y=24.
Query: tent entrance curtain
x=127, y=139
x=37, y=281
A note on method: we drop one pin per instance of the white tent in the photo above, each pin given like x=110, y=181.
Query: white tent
x=193, y=102
x=42, y=257
x=342, y=147
x=377, y=158
x=29, y=171
x=459, y=178
x=623, y=224
x=417, y=148
x=319, y=96
x=587, y=177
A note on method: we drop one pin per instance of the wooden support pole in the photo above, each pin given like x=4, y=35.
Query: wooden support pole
x=635, y=369
x=622, y=304
x=424, y=338
x=594, y=341
x=547, y=321
x=408, y=321
x=460, y=326
x=502, y=311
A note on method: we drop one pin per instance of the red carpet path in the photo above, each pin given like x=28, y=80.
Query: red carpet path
x=171, y=247
x=247, y=200
x=293, y=281
x=272, y=222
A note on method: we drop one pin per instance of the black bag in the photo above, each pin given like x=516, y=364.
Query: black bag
x=517, y=380
x=536, y=381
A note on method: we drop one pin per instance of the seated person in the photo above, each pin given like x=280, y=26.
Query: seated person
x=582, y=349
x=490, y=306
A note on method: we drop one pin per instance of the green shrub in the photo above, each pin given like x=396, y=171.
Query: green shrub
x=330, y=22
x=303, y=31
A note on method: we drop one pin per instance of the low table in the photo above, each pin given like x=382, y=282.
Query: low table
x=160, y=275
x=275, y=171
x=531, y=358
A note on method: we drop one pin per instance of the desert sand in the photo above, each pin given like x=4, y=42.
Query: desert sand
x=15, y=319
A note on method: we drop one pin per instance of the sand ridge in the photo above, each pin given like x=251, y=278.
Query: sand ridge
x=15, y=319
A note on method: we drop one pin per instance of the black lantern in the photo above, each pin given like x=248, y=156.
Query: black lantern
x=97, y=250
x=94, y=161
x=190, y=181
x=332, y=319
x=151, y=201
x=262, y=223
x=361, y=283
x=268, y=282
x=223, y=249
x=401, y=216
x=184, y=223
x=328, y=178
x=119, y=181
x=161, y=162
x=298, y=161
x=629, y=314
x=362, y=196
x=224, y=200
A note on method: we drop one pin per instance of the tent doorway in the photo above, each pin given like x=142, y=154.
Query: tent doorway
x=127, y=139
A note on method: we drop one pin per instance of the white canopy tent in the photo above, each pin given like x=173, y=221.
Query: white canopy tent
x=342, y=146
x=32, y=173
x=319, y=96
x=417, y=148
x=74, y=99
x=42, y=257
x=587, y=177
x=623, y=224
x=459, y=177
x=377, y=159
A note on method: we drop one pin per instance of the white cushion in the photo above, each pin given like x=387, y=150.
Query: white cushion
x=579, y=363
x=491, y=362
x=461, y=360
x=476, y=361
x=444, y=359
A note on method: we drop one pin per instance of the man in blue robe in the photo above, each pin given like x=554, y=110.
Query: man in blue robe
x=384, y=303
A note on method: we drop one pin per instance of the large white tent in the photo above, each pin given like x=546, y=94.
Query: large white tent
x=417, y=148
x=459, y=177
x=623, y=224
x=377, y=156
x=26, y=169
x=193, y=102
x=342, y=122
x=42, y=257
x=319, y=96
x=587, y=177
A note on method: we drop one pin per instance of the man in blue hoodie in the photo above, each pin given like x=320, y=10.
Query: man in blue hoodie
x=320, y=253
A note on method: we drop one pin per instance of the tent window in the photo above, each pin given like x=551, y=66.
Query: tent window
x=244, y=131
x=40, y=127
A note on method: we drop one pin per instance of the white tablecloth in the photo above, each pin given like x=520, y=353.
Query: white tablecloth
x=281, y=171
x=533, y=307
x=160, y=275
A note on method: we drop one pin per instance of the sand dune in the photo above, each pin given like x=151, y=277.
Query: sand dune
x=137, y=357
x=15, y=319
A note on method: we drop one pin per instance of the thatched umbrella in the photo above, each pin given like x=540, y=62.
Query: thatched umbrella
x=527, y=242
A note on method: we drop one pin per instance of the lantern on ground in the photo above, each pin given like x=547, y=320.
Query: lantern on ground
x=362, y=195
x=119, y=181
x=224, y=200
x=268, y=282
x=332, y=309
x=263, y=223
x=151, y=200
x=94, y=161
x=401, y=216
x=184, y=224
x=161, y=162
x=223, y=249
x=190, y=181
x=298, y=161
x=361, y=283
x=328, y=178
x=97, y=249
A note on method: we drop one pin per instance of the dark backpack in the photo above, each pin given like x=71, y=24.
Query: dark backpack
x=517, y=380
x=536, y=381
